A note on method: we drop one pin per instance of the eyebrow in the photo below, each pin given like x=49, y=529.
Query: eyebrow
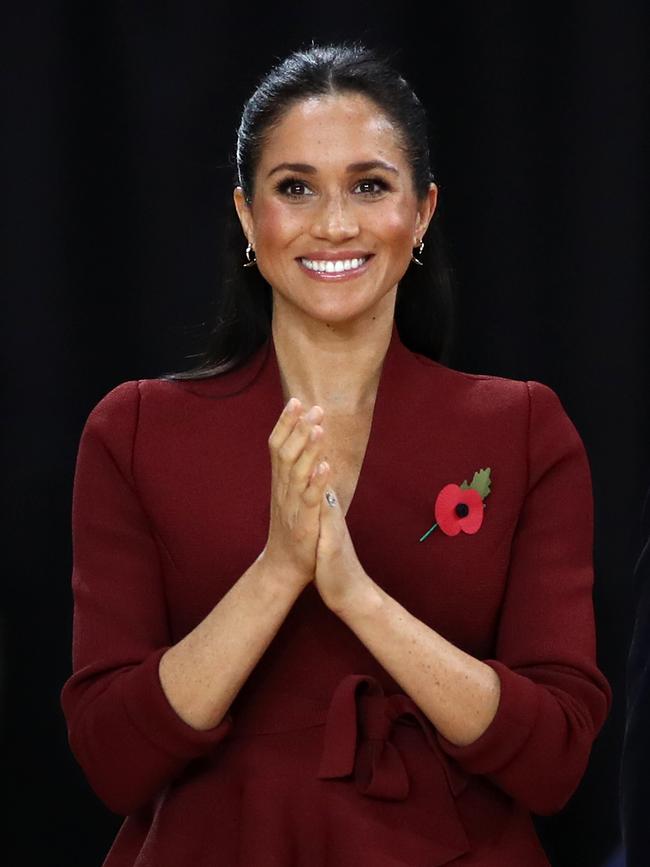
x=353, y=167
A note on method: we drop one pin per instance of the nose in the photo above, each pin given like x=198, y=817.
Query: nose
x=335, y=219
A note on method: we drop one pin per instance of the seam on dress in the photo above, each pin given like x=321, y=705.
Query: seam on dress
x=159, y=544
x=521, y=509
x=135, y=431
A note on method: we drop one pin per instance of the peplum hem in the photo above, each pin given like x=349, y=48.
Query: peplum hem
x=363, y=781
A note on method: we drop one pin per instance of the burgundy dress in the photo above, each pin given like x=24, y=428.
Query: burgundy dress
x=322, y=759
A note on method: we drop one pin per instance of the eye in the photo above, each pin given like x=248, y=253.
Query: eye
x=378, y=182
x=289, y=186
x=294, y=188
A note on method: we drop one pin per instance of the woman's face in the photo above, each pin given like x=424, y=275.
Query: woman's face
x=333, y=186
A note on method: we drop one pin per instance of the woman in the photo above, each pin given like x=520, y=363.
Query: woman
x=333, y=598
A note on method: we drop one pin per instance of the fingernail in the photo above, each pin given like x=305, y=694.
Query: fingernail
x=313, y=414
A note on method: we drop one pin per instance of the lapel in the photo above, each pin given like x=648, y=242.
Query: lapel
x=399, y=376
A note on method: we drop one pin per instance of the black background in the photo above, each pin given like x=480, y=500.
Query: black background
x=118, y=127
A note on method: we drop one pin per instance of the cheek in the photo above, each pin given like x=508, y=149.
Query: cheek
x=275, y=226
x=394, y=226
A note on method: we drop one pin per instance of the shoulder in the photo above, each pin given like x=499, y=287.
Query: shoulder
x=119, y=406
x=159, y=410
x=532, y=406
x=125, y=400
x=491, y=390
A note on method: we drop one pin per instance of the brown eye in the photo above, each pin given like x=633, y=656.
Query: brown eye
x=370, y=182
x=292, y=188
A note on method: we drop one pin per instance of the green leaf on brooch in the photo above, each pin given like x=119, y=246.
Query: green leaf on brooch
x=480, y=482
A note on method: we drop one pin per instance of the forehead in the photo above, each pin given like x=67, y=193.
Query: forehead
x=336, y=127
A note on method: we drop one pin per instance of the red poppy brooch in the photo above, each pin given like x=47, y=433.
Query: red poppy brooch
x=460, y=507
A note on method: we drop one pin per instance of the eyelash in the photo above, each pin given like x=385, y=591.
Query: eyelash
x=289, y=182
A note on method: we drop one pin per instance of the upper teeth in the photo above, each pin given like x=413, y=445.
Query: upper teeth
x=333, y=265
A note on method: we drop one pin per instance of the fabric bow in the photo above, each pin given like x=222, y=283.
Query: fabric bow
x=358, y=726
x=377, y=765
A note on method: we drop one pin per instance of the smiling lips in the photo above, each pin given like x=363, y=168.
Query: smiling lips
x=324, y=266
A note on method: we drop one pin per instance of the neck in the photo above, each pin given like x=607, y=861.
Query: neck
x=336, y=367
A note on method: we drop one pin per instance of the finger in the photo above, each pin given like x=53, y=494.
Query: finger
x=284, y=426
x=313, y=494
x=285, y=423
x=293, y=446
x=307, y=460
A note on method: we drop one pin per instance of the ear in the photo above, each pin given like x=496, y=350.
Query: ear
x=426, y=210
x=244, y=213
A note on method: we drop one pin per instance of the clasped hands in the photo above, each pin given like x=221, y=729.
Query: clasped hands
x=308, y=537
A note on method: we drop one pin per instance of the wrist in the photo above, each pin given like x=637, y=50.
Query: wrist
x=278, y=579
x=361, y=597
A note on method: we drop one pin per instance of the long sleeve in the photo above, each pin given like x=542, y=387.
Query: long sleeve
x=123, y=731
x=554, y=699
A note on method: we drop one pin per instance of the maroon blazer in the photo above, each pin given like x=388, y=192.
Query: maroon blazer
x=322, y=759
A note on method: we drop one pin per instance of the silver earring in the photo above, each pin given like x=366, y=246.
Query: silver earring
x=420, y=249
x=249, y=261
